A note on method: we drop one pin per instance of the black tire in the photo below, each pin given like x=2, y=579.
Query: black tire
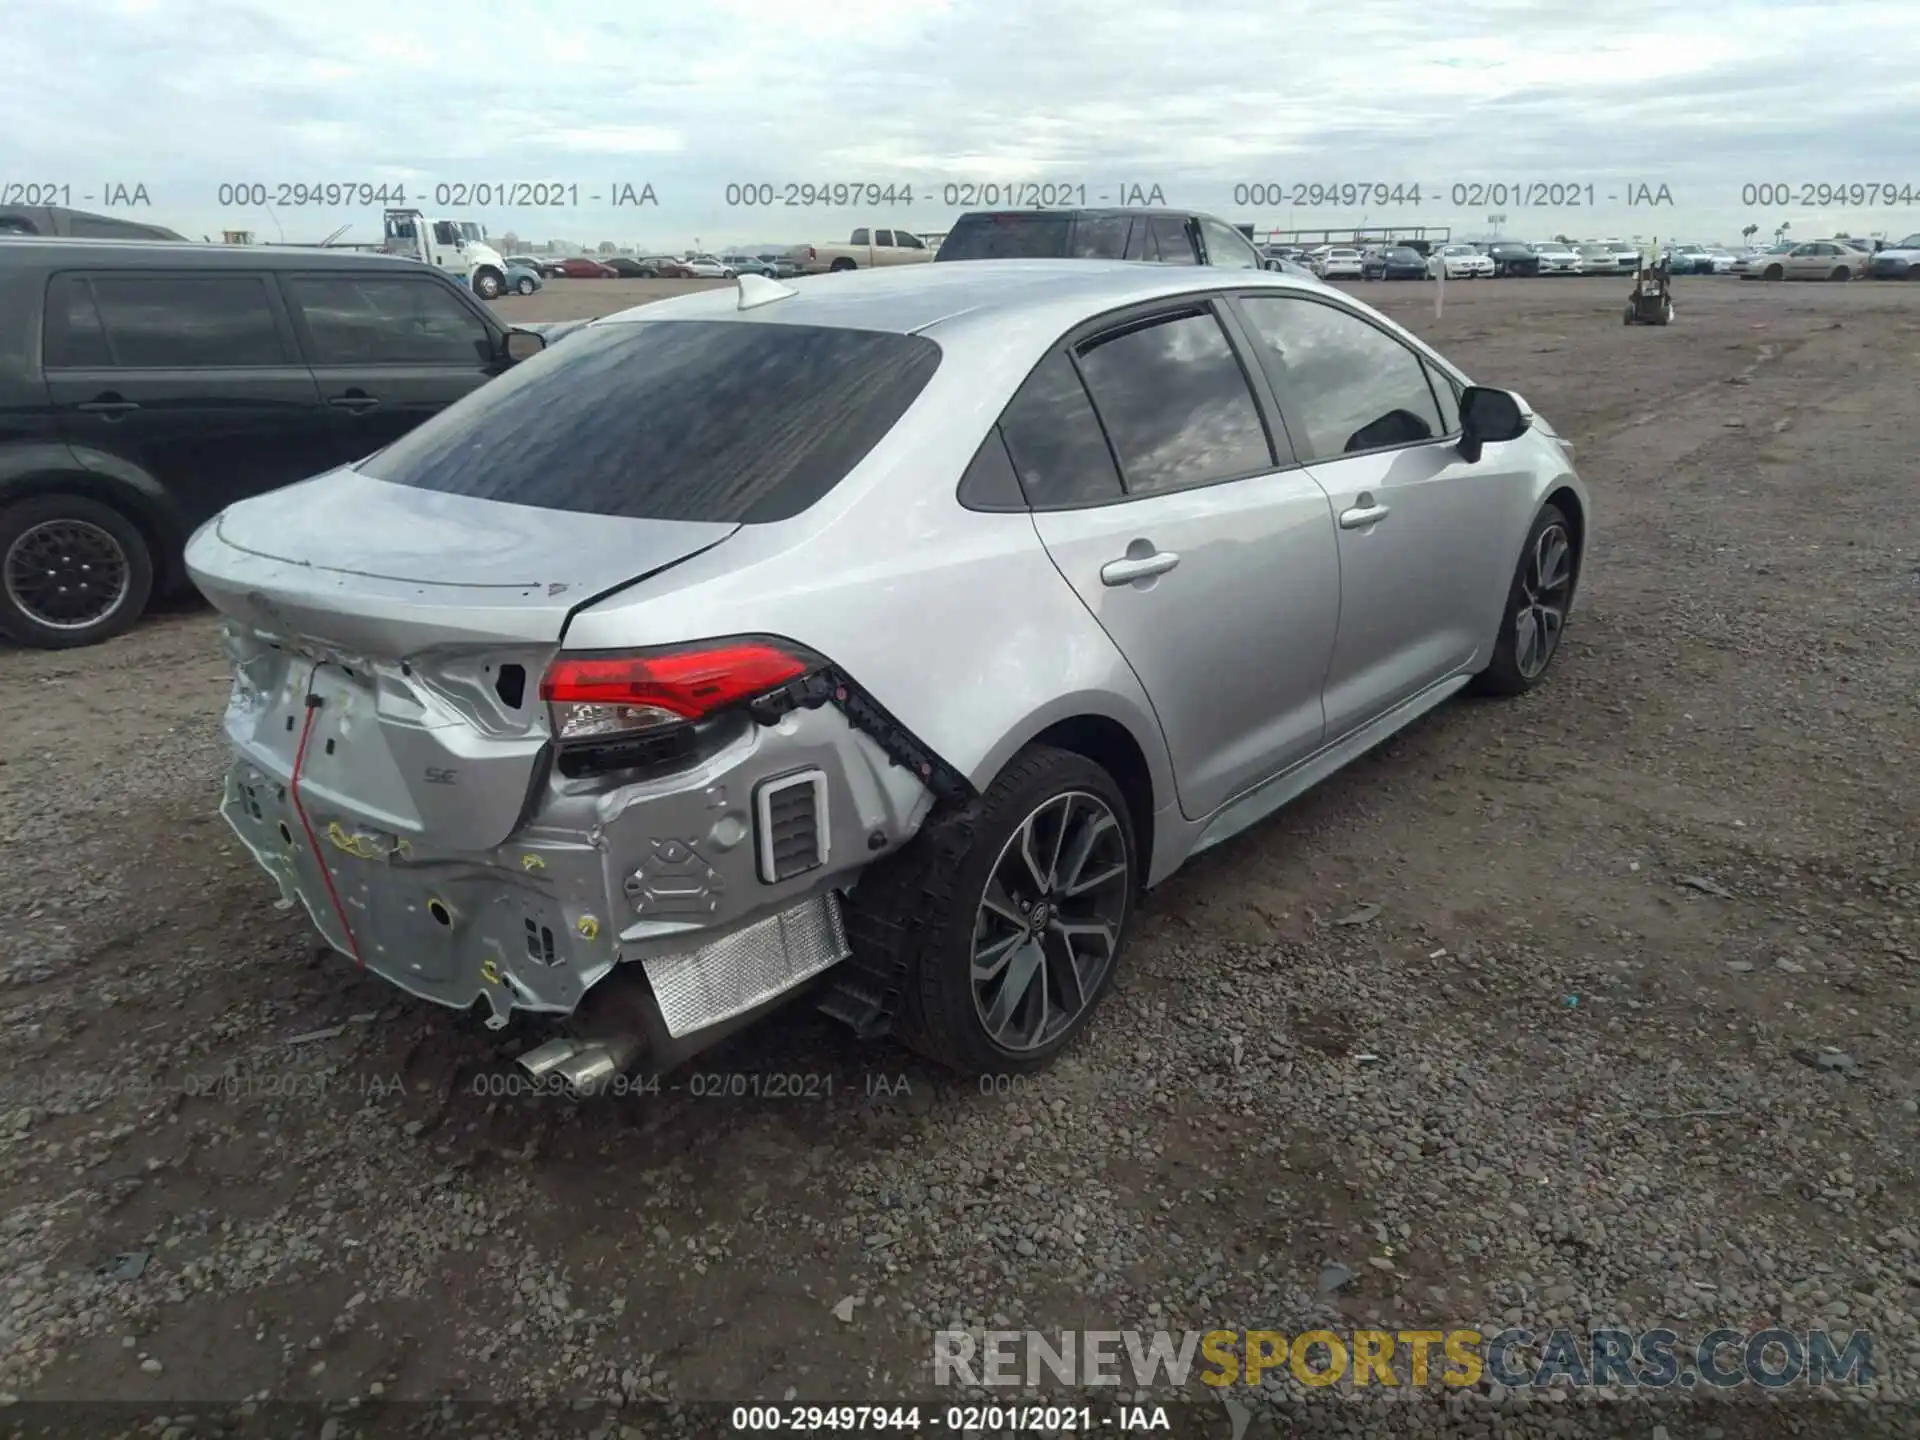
x=925, y=899
x=842, y=264
x=1774, y=272
x=20, y=624
x=1505, y=674
x=487, y=284
x=1841, y=272
x=525, y=285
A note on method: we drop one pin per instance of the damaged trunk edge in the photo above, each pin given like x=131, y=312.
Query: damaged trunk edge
x=393, y=773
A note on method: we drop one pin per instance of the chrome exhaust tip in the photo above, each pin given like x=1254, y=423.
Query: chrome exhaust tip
x=586, y=1067
x=544, y=1059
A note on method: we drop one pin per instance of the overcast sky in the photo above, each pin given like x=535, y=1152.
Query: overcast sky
x=184, y=96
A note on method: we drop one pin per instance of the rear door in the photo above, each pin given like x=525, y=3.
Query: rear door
x=193, y=376
x=1147, y=452
x=388, y=351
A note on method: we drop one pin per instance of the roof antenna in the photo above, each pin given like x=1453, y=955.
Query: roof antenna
x=759, y=290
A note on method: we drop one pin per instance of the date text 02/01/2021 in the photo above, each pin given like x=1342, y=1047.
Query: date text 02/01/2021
x=1466, y=194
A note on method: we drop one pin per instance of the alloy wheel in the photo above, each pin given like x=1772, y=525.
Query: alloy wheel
x=67, y=574
x=1545, y=586
x=1049, y=921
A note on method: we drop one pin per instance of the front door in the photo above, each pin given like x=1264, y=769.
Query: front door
x=388, y=352
x=1208, y=561
x=193, y=378
x=1424, y=560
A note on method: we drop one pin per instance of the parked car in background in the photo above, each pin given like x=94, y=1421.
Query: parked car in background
x=1154, y=236
x=1459, y=262
x=1721, y=261
x=583, y=267
x=1597, y=259
x=145, y=385
x=1338, y=262
x=1628, y=256
x=1556, y=257
x=746, y=265
x=990, y=446
x=1897, y=261
x=529, y=262
x=522, y=279
x=779, y=266
x=1513, y=257
x=1688, y=260
x=1753, y=264
x=629, y=267
x=1396, y=262
x=1812, y=260
x=706, y=267
x=868, y=248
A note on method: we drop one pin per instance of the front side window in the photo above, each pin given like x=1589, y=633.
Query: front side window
x=859, y=238
x=1176, y=404
x=1354, y=386
x=389, y=320
x=672, y=420
x=165, y=322
x=1227, y=248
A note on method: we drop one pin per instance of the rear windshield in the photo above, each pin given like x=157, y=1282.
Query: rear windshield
x=672, y=420
x=1008, y=237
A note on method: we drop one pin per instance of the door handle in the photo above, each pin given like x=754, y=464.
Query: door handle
x=1362, y=516
x=354, y=401
x=1143, y=567
x=108, y=404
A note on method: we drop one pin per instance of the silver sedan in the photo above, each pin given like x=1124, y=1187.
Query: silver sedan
x=875, y=637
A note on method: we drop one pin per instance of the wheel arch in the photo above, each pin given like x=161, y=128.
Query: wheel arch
x=1111, y=746
x=1128, y=747
x=145, y=505
x=1568, y=500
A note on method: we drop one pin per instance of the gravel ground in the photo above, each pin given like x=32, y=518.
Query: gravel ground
x=1595, y=1007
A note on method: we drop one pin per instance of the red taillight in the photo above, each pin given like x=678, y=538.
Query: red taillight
x=812, y=254
x=602, y=695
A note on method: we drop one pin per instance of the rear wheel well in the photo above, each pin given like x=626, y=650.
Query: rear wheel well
x=168, y=571
x=1109, y=745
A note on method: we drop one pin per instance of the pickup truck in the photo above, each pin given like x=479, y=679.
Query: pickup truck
x=867, y=248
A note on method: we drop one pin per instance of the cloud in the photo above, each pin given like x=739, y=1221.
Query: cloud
x=1200, y=101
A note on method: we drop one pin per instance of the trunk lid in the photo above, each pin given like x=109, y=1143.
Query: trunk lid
x=390, y=641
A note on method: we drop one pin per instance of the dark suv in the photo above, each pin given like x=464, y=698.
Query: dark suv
x=1169, y=237
x=144, y=386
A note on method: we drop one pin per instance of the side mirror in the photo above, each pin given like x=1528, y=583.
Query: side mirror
x=1488, y=416
x=523, y=345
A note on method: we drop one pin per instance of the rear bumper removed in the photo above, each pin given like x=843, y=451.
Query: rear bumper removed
x=664, y=879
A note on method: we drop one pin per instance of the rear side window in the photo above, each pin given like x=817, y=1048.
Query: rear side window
x=672, y=420
x=167, y=322
x=389, y=320
x=1007, y=237
x=1174, y=243
x=75, y=338
x=1102, y=237
x=1176, y=404
x=1055, y=440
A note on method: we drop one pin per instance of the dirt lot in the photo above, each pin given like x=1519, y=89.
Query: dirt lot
x=1598, y=1006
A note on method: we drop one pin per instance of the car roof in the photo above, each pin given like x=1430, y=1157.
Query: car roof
x=54, y=251
x=954, y=298
x=1088, y=212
